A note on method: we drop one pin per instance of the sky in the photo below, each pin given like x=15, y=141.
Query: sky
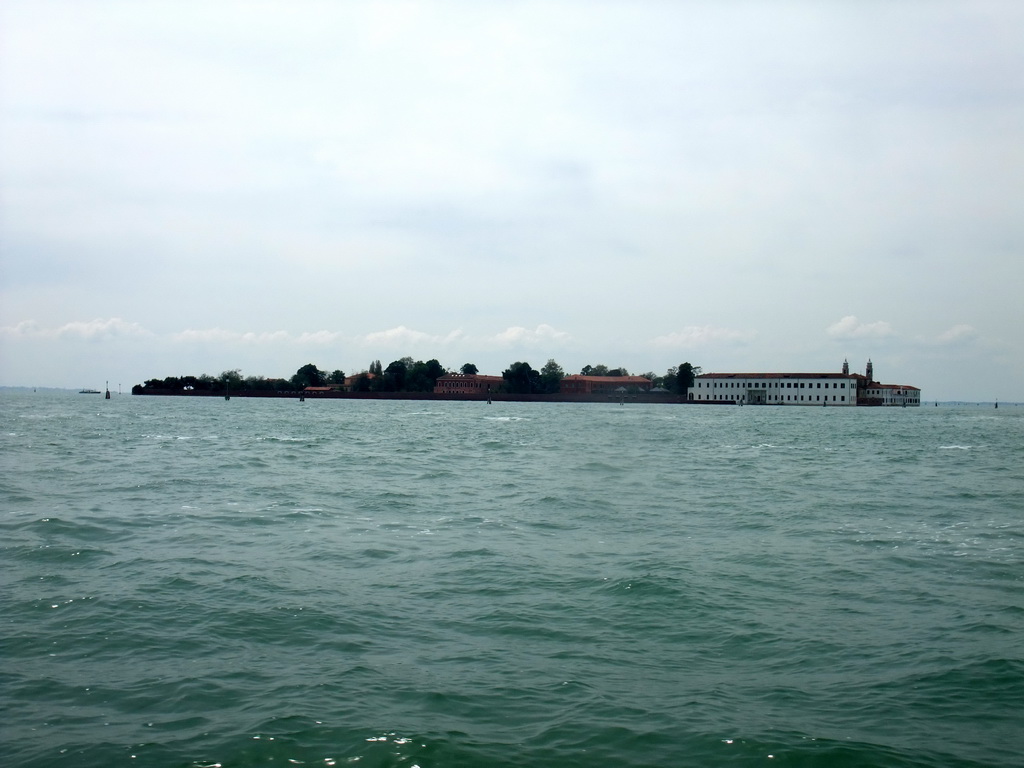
x=191, y=187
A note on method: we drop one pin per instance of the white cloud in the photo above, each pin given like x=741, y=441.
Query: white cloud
x=961, y=332
x=700, y=335
x=402, y=336
x=542, y=334
x=224, y=336
x=24, y=329
x=319, y=338
x=850, y=327
x=91, y=330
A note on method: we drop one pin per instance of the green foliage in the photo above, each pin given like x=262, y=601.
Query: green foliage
x=684, y=377
x=183, y=383
x=392, y=379
x=308, y=376
x=259, y=384
x=422, y=377
x=656, y=380
x=408, y=375
x=521, y=379
x=363, y=383
x=551, y=376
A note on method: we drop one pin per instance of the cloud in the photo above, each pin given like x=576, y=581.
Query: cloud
x=851, y=328
x=223, y=336
x=91, y=330
x=519, y=336
x=700, y=335
x=319, y=338
x=402, y=336
x=957, y=333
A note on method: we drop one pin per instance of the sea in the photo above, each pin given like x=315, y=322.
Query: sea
x=201, y=583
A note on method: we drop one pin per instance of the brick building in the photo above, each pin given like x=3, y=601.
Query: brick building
x=467, y=384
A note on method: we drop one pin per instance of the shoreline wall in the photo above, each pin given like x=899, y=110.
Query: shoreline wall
x=640, y=397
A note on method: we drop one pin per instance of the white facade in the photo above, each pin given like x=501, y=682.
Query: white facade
x=893, y=394
x=820, y=389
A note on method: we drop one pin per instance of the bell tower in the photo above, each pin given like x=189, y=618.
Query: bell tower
x=870, y=372
x=846, y=367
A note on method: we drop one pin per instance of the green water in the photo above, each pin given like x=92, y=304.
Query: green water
x=199, y=582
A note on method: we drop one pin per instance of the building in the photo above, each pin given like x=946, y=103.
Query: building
x=775, y=388
x=358, y=382
x=891, y=394
x=466, y=384
x=577, y=384
x=821, y=389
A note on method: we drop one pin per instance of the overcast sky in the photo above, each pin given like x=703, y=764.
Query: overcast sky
x=190, y=187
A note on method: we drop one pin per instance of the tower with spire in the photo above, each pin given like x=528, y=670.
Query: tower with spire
x=846, y=367
x=870, y=372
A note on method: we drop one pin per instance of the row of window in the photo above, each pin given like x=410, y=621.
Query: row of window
x=461, y=385
x=764, y=385
x=785, y=398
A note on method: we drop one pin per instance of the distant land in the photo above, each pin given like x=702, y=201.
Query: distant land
x=924, y=403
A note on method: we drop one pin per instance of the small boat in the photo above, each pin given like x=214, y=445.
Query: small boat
x=90, y=392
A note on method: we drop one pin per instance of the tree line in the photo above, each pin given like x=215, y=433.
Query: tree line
x=408, y=375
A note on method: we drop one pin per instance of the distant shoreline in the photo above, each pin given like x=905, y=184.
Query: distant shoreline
x=668, y=399
x=638, y=397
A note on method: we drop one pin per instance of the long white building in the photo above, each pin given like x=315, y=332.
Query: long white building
x=820, y=389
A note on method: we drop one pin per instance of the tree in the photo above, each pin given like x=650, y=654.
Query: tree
x=521, y=379
x=258, y=383
x=337, y=378
x=308, y=376
x=469, y=369
x=422, y=376
x=551, y=376
x=363, y=382
x=374, y=378
x=684, y=377
x=656, y=381
x=392, y=379
x=232, y=379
